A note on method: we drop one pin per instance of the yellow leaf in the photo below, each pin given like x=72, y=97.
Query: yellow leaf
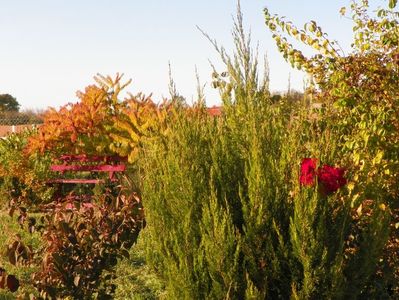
x=356, y=158
x=377, y=159
x=359, y=210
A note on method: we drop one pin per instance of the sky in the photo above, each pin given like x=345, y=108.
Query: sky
x=51, y=48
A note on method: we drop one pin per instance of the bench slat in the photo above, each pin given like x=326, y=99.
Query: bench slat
x=91, y=181
x=92, y=158
x=94, y=168
x=88, y=163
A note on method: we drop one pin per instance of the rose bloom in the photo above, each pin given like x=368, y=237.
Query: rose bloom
x=308, y=171
x=331, y=178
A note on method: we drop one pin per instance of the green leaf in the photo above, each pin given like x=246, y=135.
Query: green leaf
x=392, y=3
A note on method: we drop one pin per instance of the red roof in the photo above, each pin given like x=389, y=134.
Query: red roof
x=215, y=111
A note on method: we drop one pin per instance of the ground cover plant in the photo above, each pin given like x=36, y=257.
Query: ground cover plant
x=135, y=279
x=10, y=227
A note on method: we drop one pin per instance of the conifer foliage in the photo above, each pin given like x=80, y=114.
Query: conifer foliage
x=236, y=218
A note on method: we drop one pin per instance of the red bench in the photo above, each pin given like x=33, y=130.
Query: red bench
x=86, y=163
x=87, y=166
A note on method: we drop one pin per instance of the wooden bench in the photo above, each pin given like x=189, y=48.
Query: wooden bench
x=85, y=163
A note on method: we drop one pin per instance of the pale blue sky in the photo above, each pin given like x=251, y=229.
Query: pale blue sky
x=52, y=48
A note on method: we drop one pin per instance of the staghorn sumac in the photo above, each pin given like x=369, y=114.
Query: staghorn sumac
x=100, y=123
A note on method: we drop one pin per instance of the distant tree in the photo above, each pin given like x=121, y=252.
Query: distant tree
x=291, y=96
x=295, y=96
x=276, y=98
x=8, y=103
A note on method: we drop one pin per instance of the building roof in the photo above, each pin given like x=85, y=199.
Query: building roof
x=215, y=111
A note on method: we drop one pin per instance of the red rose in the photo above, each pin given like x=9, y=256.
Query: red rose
x=331, y=178
x=308, y=171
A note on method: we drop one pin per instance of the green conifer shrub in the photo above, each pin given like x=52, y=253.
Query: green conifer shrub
x=227, y=215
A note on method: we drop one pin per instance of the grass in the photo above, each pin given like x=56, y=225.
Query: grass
x=135, y=280
x=9, y=228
